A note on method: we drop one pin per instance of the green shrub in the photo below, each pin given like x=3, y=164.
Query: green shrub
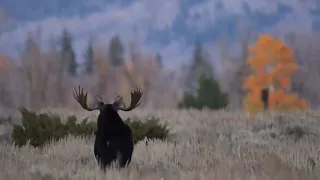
x=209, y=94
x=40, y=129
x=150, y=129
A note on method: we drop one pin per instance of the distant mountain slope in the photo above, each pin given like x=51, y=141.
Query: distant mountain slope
x=170, y=26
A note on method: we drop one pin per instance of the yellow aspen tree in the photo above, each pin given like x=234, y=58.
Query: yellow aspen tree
x=272, y=65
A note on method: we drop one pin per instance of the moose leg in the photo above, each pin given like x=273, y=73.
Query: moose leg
x=125, y=152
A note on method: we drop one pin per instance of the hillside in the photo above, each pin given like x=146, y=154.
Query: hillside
x=169, y=27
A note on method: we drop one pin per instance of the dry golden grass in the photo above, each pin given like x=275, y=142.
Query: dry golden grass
x=207, y=145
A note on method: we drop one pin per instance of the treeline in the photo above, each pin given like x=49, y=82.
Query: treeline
x=115, y=55
x=44, y=77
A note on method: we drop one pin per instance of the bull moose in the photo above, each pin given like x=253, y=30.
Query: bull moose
x=113, y=138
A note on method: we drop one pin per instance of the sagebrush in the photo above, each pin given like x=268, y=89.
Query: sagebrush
x=39, y=129
x=207, y=145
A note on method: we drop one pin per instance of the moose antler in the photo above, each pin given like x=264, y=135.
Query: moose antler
x=135, y=100
x=82, y=99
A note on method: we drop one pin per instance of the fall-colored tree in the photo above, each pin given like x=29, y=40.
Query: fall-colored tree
x=272, y=65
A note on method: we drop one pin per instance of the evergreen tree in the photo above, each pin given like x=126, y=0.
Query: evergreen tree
x=89, y=62
x=209, y=94
x=116, y=51
x=159, y=60
x=202, y=90
x=67, y=53
x=198, y=53
x=199, y=65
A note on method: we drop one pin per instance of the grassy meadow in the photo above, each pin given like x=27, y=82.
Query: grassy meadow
x=226, y=145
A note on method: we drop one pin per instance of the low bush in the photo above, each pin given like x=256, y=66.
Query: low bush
x=150, y=129
x=39, y=129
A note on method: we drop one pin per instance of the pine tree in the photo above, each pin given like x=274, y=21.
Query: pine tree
x=209, y=94
x=67, y=53
x=198, y=53
x=116, y=51
x=202, y=90
x=199, y=65
x=159, y=60
x=89, y=62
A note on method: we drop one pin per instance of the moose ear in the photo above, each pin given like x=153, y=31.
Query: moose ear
x=99, y=102
x=117, y=103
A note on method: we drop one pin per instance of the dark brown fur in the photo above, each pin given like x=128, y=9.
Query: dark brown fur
x=113, y=139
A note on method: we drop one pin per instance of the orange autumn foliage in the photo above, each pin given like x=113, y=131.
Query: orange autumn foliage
x=272, y=64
